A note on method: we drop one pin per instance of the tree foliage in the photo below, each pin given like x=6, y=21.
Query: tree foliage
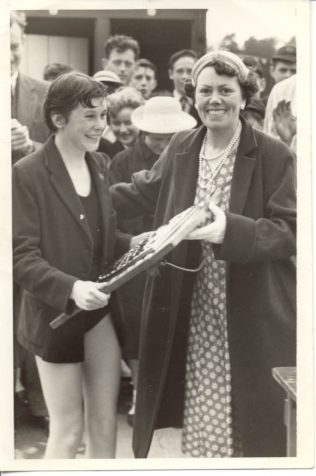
x=229, y=43
x=261, y=48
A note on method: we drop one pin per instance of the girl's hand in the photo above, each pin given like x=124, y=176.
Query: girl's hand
x=87, y=295
x=215, y=231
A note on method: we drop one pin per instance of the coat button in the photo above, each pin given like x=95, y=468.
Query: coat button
x=81, y=216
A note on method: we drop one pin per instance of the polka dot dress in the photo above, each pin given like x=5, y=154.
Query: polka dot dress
x=208, y=424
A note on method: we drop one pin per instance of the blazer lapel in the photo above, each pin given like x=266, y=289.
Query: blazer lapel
x=64, y=186
x=243, y=169
x=26, y=101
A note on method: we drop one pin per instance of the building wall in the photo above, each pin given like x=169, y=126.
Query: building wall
x=96, y=26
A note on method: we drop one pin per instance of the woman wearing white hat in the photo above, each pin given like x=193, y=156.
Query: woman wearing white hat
x=157, y=120
x=209, y=340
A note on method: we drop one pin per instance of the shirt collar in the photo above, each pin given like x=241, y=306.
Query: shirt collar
x=177, y=95
x=14, y=78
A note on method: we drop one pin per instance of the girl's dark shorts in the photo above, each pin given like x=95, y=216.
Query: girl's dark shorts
x=65, y=344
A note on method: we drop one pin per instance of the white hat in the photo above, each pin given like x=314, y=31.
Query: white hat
x=106, y=76
x=162, y=115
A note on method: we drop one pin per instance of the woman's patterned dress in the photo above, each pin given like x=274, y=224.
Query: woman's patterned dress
x=208, y=424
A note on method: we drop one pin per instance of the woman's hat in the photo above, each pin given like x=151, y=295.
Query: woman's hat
x=162, y=115
x=225, y=57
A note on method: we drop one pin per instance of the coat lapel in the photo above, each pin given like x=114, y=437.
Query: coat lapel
x=64, y=186
x=243, y=169
x=186, y=171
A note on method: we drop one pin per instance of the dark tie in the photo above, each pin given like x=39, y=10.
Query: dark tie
x=185, y=103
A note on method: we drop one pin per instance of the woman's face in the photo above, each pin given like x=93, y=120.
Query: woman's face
x=123, y=128
x=218, y=99
x=84, y=126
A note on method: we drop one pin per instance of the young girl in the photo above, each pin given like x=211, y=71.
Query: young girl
x=63, y=237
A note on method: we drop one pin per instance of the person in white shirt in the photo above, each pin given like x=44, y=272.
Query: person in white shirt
x=280, y=116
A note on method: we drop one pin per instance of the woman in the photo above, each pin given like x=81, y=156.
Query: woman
x=121, y=104
x=157, y=120
x=63, y=236
x=209, y=340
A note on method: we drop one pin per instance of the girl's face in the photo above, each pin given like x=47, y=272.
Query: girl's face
x=85, y=126
x=123, y=128
x=218, y=99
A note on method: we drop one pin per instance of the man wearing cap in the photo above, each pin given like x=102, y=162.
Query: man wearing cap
x=283, y=63
x=109, y=79
x=107, y=141
x=159, y=119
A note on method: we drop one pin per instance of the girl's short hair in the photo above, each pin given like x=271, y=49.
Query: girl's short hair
x=68, y=91
x=124, y=97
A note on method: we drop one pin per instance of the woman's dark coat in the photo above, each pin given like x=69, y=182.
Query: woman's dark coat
x=261, y=312
x=52, y=242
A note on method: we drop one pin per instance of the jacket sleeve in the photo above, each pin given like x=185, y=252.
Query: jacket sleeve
x=273, y=236
x=30, y=270
x=140, y=196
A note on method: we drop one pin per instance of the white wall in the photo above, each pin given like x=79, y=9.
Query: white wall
x=41, y=50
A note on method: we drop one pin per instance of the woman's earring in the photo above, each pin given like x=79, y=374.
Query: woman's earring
x=243, y=105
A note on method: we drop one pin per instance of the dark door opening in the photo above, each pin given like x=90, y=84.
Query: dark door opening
x=158, y=40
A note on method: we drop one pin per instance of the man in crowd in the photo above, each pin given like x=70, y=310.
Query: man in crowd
x=28, y=129
x=28, y=133
x=144, y=78
x=180, y=68
x=121, y=53
x=283, y=63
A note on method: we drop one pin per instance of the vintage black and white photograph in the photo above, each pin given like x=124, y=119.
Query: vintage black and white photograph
x=158, y=303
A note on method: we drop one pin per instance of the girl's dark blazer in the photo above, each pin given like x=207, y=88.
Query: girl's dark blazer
x=52, y=242
x=258, y=246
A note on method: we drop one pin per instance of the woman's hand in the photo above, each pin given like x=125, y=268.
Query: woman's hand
x=87, y=295
x=139, y=238
x=215, y=231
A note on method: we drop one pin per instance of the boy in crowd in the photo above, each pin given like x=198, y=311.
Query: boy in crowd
x=144, y=78
x=180, y=68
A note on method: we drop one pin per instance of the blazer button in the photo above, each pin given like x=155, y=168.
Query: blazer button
x=81, y=216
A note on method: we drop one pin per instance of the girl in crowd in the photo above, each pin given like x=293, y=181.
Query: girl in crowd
x=121, y=104
x=63, y=236
x=209, y=340
x=157, y=120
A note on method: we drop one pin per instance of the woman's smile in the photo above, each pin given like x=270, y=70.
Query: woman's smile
x=218, y=99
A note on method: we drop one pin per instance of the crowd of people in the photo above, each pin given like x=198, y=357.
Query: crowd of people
x=98, y=163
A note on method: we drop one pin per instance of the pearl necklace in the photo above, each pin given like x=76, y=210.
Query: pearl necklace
x=205, y=179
